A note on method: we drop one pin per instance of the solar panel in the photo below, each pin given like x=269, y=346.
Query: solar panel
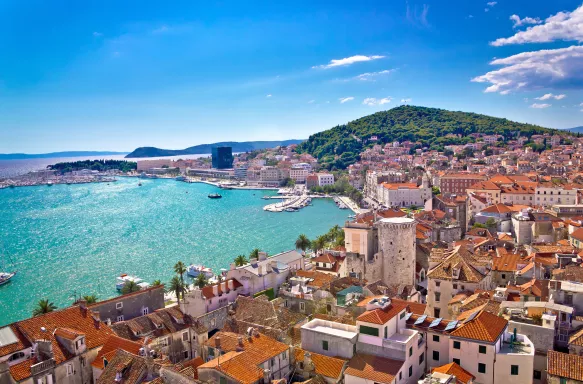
x=451, y=325
x=472, y=316
x=420, y=320
x=435, y=322
x=408, y=316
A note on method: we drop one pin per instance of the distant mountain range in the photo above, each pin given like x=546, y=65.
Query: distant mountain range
x=202, y=149
x=21, y=156
x=575, y=129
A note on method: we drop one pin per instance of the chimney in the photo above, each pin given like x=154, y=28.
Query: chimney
x=450, y=246
x=44, y=350
x=266, y=376
x=83, y=306
x=218, y=342
x=223, y=287
x=240, y=340
x=268, y=267
x=262, y=256
x=230, y=284
x=216, y=289
x=233, y=266
x=260, y=270
x=308, y=364
x=273, y=264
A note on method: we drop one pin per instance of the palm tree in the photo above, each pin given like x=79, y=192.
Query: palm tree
x=319, y=243
x=129, y=287
x=156, y=283
x=303, y=243
x=241, y=260
x=177, y=287
x=201, y=280
x=254, y=253
x=90, y=299
x=180, y=270
x=43, y=306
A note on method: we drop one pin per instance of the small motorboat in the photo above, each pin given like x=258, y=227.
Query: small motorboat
x=214, y=196
x=123, y=279
x=5, y=277
x=139, y=184
x=195, y=270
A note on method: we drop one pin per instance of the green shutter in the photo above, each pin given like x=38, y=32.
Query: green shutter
x=369, y=330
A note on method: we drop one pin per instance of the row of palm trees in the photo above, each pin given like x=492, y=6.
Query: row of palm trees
x=242, y=259
x=332, y=239
x=45, y=305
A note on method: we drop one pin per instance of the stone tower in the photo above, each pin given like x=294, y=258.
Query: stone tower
x=397, y=247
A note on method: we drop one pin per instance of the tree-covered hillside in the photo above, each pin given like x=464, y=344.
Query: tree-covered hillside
x=340, y=146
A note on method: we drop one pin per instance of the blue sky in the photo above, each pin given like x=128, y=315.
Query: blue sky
x=115, y=75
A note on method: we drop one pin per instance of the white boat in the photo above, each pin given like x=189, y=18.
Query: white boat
x=6, y=276
x=195, y=270
x=123, y=279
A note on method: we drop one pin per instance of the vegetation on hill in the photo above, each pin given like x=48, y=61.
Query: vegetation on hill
x=433, y=128
x=203, y=149
x=95, y=165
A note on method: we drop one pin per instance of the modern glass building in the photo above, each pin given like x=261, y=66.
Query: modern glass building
x=222, y=157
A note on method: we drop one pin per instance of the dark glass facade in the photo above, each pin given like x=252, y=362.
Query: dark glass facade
x=222, y=157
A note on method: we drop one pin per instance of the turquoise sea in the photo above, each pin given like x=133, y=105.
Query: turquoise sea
x=75, y=239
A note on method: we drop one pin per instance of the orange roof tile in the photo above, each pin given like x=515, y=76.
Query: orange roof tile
x=565, y=365
x=461, y=374
x=381, y=316
x=374, y=368
x=208, y=292
x=484, y=327
x=237, y=365
x=112, y=344
x=20, y=344
x=324, y=365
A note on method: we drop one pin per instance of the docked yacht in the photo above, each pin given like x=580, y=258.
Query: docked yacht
x=6, y=276
x=124, y=278
x=195, y=270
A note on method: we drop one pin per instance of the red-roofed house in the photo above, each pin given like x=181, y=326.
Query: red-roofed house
x=201, y=301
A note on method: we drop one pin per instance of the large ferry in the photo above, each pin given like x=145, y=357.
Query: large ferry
x=195, y=270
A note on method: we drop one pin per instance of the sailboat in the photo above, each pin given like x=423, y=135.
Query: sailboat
x=6, y=276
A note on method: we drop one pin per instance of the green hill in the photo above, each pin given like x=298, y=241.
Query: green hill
x=340, y=146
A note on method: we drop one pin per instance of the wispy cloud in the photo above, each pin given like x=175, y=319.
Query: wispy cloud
x=491, y=3
x=97, y=34
x=268, y=96
x=371, y=101
x=346, y=99
x=527, y=71
x=518, y=22
x=348, y=61
x=566, y=26
x=418, y=17
x=548, y=96
x=540, y=106
x=374, y=75
x=311, y=101
x=406, y=101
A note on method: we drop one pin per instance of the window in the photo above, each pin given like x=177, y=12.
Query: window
x=16, y=356
x=145, y=311
x=455, y=286
x=286, y=304
x=223, y=380
x=481, y=368
x=436, y=312
x=369, y=330
x=482, y=349
x=120, y=318
x=400, y=375
x=457, y=345
x=402, y=315
x=185, y=336
x=284, y=355
x=272, y=362
x=211, y=351
x=302, y=306
x=164, y=342
x=437, y=283
x=503, y=275
x=437, y=297
x=324, y=345
x=563, y=380
x=436, y=338
x=410, y=351
x=514, y=370
x=69, y=369
x=436, y=355
x=537, y=375
x=386, y=332
x=119, y=305
x=410, y=371
x=421, y=358
x=457, y=361
x=185, y=354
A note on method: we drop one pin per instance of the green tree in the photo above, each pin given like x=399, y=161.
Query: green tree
x=201, y=280
x=156, y=283
x=319, y=243
x=129, y=287
x=491, y=223
x=43, y=306
x=435, y=190
x=254, y=253
x=90, y=299
x=241, y=260
x=180, y=270
x=303, y=243
x=177, y=286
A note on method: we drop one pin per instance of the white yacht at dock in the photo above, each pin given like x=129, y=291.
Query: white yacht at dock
x=123, y=279
x=195, y=270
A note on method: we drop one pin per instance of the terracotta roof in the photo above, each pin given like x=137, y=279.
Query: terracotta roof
x=483, y=327
x=413, y=307
x=208, y=292
x=325, y=258
x=460, y=258
x=577, y=338
x=491, y=306
x=21, y=370
x=240, y=366
x=538, y=288
x=485, y=185
x=569, y=273
x=461, y=374
x=263, y=347
x=505, y=262
x=381, y=316
x=112, y=344
x=497, y=208
x=20, y=344
x=324, y=365
x=395, y=186
x=565, y=365
x=132, y=368
x=74, y=318
x=577, y=234
x=68, y=333
x=374, y=368
x=320, y=279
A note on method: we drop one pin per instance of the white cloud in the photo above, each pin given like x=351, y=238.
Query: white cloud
x=548, y=96
x=540, y=106
x=406, y=101
x=486, y=9
x=372, y=75
x=345, y=99
x=348, y=61
x=97, y=34
x=567, y=26
x=418, y=19
x=518, y=22
x=371, y=101
x=311, y=101
x=470, y=16
x=551, y=68
x=268, y=96
x=581, y=105
x=492, y=3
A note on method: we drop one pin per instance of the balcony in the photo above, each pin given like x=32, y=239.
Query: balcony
x=522, y=346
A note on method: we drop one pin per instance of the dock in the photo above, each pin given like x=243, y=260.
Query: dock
x=293, y=203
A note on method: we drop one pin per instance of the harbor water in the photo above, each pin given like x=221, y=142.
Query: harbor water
x=67, y=240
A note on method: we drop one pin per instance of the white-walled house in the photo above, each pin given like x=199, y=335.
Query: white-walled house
x=200, y=301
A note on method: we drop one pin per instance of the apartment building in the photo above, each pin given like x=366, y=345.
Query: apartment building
x=458, y=183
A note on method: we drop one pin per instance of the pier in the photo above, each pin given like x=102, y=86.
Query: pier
x=290, y=204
